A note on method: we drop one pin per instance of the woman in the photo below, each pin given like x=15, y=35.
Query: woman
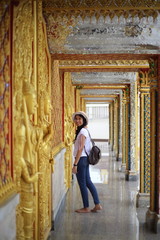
x=81, y=165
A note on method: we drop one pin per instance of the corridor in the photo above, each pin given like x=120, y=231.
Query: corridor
x=119, y=219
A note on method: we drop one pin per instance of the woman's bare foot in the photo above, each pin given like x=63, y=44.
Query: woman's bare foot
x=96, y=208
x=83, y=210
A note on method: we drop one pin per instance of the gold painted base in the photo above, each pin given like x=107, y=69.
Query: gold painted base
x=123, y=167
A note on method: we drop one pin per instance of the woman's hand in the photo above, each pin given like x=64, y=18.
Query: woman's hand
x=74, y=169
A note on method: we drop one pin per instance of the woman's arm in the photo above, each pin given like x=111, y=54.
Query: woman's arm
x=79, y=152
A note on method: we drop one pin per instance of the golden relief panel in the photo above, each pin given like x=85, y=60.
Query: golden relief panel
x=57, y=98
x=7, y=186
x=68, y=126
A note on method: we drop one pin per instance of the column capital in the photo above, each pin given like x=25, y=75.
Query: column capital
x=148, y=78
x=126, y=96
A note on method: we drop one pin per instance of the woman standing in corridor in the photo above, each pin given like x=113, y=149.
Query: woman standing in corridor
x=81, y=165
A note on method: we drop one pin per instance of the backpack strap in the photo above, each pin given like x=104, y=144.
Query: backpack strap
x=93, y=143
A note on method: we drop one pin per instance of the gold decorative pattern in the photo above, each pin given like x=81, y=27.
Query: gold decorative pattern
x=147, y=143
x=88, y=8
x=7, y=186
x=109, y=63
x=111, y=4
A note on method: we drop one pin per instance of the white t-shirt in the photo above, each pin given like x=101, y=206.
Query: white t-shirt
x=88, y=143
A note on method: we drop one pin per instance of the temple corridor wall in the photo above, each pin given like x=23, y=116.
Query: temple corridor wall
x=58, y=185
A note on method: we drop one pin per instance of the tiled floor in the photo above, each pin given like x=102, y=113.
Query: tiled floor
x=119, y=220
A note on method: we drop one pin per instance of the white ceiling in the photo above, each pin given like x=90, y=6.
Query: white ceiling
x=132, y=35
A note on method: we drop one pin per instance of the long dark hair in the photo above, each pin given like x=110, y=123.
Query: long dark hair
x=80, y=127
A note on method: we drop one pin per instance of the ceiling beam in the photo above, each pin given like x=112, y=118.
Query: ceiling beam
x=100, y=70
x=99, y=96
x=102, y=86
x=117, y=56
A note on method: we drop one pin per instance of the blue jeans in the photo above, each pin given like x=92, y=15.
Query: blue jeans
x=84, y=181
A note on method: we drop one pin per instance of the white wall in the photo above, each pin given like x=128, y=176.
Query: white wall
x=99, y=128
x=58, y=185
x=8, y=219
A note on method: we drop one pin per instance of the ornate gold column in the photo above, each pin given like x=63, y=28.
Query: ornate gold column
x=111, y=137
x=131, y=169
x=110, y=122
x=116, y=127
x=83, y=105
x=153, y=213
x=145, y=113
x=137, y=125
x=78, y=105
x=44, y=127
x=125, y=129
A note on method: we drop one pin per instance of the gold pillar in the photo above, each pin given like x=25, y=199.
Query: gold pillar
x=110, y=122
x=44, y=128
x=144, y=88
x=83, y=105
x=153, y=131
x=145, y=135
x=153, y=146
x=116, y=127
x=111, y=125
x=125, y=129
x=152, y=215
x=78, y=104
x=136, y=127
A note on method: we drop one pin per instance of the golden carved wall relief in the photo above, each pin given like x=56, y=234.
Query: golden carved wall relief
x=7, y=186
x=68, y=126
x=25, y=136
x=33, y=130
x=57, y=98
